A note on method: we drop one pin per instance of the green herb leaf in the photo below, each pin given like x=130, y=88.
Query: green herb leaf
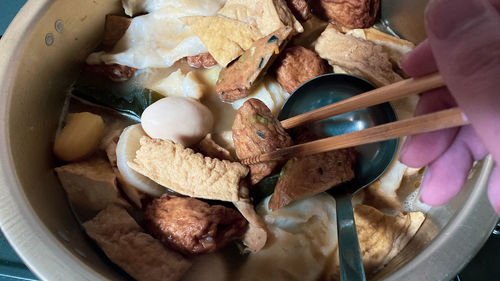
x=132, y=99
x=262, y=119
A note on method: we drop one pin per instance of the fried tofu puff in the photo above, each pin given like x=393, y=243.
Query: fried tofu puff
x=297, y=65
x=257, y=131
x=349, y=13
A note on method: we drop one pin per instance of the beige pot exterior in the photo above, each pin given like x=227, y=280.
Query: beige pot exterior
x=38, y=62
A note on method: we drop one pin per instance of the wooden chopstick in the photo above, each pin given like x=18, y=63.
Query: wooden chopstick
x=425, y=123
x=384, y=94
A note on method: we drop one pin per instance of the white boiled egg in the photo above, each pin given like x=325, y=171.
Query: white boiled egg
x=182, y=120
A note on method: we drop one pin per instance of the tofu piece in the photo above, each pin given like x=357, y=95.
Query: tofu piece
x=137, y=253
x=114, y=29
x=381, y=236
x=395, y=47
x=356, y=56
x=224, y=38
x=266, y=15
x=186, y=172
x=236, y=81
x=90, y=184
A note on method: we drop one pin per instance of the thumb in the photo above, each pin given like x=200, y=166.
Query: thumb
x=465, y=39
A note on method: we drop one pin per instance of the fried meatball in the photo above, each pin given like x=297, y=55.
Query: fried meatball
x=191, y=226
x=257, y=131
x=297, y=65
x=300, y=9
x=115, y=72
x=349, y=13
x=203, y=60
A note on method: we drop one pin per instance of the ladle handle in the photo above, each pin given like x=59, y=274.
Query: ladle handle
x=351, y=264
x=384, y=94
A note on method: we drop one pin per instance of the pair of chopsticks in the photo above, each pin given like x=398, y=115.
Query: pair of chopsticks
x=452, y=117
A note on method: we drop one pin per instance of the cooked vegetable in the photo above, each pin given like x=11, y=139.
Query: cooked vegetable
x=127, y=98
x=127, y=145
x=80, y=137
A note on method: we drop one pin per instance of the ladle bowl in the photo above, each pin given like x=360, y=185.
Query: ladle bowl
x=372, y=160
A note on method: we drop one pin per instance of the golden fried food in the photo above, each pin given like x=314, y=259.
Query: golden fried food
x=349, y=13
x=356, y=56
x=191, y=226
x=303, y=177
x=115, y=72
x=188, y=173
x=265, y=15
x=236, y=81
x=203, y=60
x=114, y=29
x=90, y=184
x=136, y=252
x=300, y=9
x=224, y=38
x=256, y=131
x=296, y=65
x=208, y=147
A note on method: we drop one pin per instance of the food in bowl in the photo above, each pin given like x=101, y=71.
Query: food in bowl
x=169, y=190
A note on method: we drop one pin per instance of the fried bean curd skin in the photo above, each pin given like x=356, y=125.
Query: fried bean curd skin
x=296, y=65
x=256, y=131
x=188, y=173
x=356, y=56
x=136, y=252
x=306, y=176
x=191, y=226
x=349, y=13
x=236, y=80
x=203, y=60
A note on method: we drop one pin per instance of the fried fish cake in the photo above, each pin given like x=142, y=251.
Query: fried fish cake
x=296, y=65
x=306, y=176
x=349, y=13
x=256, y=131
x=236, y=80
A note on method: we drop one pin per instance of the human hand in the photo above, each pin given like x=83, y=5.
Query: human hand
x=464, y=44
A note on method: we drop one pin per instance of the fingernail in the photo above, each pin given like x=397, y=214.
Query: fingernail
x=404, y=148
x=423, y=185
x=444, y=18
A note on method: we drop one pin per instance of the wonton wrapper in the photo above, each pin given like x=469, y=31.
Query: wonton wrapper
x=266, y=15
x=160, y=38
x=224, y=38
x=301, y=244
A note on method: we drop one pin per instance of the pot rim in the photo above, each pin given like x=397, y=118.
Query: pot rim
x=51, y=260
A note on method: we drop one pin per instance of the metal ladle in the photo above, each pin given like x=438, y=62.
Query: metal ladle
x=372, y=159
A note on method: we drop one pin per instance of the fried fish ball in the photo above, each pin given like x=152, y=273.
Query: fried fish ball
x=349, y=13
x=256, y=131
x=297, y=65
